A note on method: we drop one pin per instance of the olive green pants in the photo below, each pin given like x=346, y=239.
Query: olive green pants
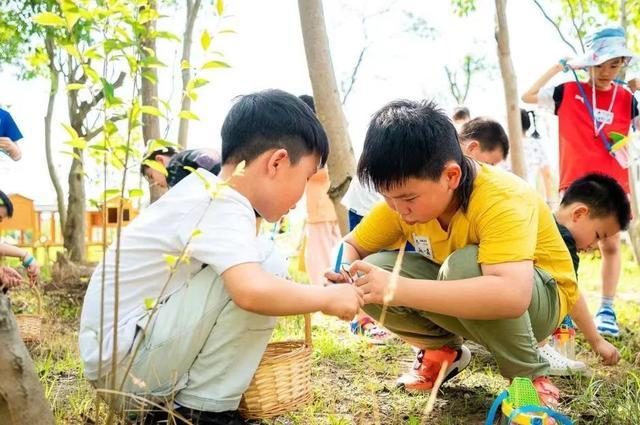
x=513, y=342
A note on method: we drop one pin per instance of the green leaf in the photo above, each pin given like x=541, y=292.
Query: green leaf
x=195, y=233
x=188, y=115
x=215, y=64
x=152, y=62
x=167, y=35
x=191, y=95
x=91, y=73
x=149, y=303
x=151, y=110
x=155, y=165
x=205, y=40
x=184, y=64
x=220, y=7
x=171, y=260
x=70, y=130
x=71, y=19
x=150, y=77
x=74, y=86
x=155, y=144
x=199, y=82
x=78, y=143
x=227, y=31
x=49, y=19
x=71, y=49
x=109, y=193
x=107, y=89
x=110, y=128
x=135, y=193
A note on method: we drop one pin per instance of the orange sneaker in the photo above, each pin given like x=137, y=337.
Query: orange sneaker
x=549, y=394
x=427, y=366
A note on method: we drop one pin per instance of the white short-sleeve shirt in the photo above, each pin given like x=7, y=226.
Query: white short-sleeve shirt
x=228, y=238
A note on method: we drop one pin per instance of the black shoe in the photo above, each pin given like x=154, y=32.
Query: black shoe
x=199, y=417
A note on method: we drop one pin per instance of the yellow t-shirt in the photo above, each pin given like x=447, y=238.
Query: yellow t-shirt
x=507, y=219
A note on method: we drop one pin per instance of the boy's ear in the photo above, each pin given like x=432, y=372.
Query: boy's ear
x=579, y=211
x=470, y=146
x=162, y=159
x=276, y=160
x=452, y=174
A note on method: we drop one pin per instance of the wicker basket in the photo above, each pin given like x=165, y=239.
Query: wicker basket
x=30, y=325
x=282, y=382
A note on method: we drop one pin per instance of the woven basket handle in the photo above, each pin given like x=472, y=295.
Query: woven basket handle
x=307, y=330
x=38, y=294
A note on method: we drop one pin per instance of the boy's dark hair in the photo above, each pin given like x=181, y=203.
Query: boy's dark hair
x=168, y=151
x=408, y=139
x=526, y=122
x=272, y=119
x=489, y=133
x=461, y=113
x=309, y=101
x=603, y=195
x=6, y=202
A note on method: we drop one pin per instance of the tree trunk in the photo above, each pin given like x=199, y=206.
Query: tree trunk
x=22, y=399
x=74, y=229
x=149, y=90
x=341, y=162
x=510, y=90
x=53, y=75
x=624, y=22
x=192, y=14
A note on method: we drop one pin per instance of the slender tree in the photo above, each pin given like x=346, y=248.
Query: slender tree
x=341, y=161
x=510, y=90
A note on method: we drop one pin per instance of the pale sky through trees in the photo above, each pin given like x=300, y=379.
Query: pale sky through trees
x=267, y=52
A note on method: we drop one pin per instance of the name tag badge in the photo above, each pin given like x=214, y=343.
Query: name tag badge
x=603, y=116
x=423, y=246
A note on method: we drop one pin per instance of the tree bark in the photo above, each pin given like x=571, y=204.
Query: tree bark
x=55, y=181
x=624, y=22
x=74, y=229
x=149, y=91
x=341, y=161
x=22, y=399
x=192, y=13
x=510, y=90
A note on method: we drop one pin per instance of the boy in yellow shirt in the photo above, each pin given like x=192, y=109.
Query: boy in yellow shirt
x=490, y=264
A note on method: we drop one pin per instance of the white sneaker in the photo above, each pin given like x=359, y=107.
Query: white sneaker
x=560, y=365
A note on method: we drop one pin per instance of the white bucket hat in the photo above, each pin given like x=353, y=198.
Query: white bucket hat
x=603, y=45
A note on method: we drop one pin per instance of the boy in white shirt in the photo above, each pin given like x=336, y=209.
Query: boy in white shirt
x=215, y=313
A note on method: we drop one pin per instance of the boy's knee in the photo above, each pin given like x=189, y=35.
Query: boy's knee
x=461, y=264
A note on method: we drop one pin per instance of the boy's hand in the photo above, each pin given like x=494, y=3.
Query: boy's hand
x=33, y=271
x=332, y=277
x=373, y=281
x=10, y=148
x=609, y=353
x=634, y=84
x=343, y=301
x=9, y=278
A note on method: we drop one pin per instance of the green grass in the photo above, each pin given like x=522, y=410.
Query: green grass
x=353, y=383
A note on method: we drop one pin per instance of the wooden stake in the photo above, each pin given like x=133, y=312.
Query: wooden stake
x=393, y=283
x=434, y=393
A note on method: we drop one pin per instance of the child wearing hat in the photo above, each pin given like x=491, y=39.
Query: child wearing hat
x=588, y=112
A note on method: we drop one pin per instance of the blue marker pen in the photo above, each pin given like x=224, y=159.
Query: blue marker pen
x=336, y=268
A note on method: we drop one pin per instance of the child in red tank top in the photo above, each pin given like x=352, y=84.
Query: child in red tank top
x=588, y=113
